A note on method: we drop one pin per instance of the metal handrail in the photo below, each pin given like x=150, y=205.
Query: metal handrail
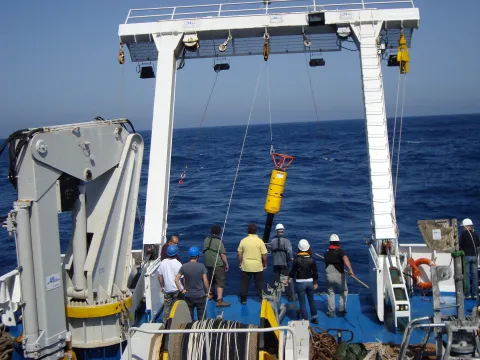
x=225, y=9
x=210, y=331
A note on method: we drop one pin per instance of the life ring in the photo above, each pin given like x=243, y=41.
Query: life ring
x=416, y=273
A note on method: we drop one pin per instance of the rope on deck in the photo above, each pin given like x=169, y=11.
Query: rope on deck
x=322, y=345
x=6, y=345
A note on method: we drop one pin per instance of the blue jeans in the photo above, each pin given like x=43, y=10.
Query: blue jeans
x=471, y=276
x=302, y=289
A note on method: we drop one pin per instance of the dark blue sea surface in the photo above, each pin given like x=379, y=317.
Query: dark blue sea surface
x=327, y=190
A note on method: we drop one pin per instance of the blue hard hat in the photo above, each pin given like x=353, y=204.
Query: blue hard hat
x=193, y=252
x=172, y=250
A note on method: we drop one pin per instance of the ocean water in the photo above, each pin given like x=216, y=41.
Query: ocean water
x=327, y=190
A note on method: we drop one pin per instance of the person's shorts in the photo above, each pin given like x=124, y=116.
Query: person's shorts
x=217, y=279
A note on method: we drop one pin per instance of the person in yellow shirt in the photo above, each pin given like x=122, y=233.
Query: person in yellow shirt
x=252, y=259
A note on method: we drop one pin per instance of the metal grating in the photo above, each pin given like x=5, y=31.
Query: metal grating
x=146, y=51
x=243, y=47
x=391, y=36
x=277, y=45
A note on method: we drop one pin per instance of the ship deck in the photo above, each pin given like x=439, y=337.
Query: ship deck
x=361, y=317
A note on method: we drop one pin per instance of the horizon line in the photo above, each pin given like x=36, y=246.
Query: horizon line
x=313, y=121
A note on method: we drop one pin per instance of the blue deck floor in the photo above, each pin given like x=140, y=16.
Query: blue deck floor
x=361, y=317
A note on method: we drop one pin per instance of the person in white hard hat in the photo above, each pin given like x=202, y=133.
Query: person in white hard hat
x=335, y=261
x=304, y=271
x=281, y=255
x=469, y=243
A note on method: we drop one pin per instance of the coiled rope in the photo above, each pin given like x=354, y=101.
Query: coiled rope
x=322, y=345
x=6, y=345
x=215, y=345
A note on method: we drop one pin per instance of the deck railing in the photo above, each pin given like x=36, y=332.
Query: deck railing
x=250, y=8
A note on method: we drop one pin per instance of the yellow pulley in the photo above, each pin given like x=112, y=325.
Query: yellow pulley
x=402, y=56
x=121, y=55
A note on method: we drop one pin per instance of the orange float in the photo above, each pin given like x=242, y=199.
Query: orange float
x=416, y=273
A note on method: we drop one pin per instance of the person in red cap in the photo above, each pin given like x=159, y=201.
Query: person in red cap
x=335, y=261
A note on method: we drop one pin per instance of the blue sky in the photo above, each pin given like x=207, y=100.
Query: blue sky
x=59, y=65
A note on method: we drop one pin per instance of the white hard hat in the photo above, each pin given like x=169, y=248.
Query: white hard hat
x=303, y=245
x=467, y=222
x=279, y=227
x=334, y=237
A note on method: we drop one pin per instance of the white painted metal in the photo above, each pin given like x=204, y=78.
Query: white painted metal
x=25, y=260
x=393, y=291
x=301, y=349
x=79, y=229
x=285, y=29
x=143, y=344
x=383, y=203
x=215, y=23
x=110, y=158
x=153, y=296
x=417, y=251
x=167, y=34
x=111, y=213
x=377, y=287
x=10, y=296
x=253, y=8
x=366, y=34
x=161, y=142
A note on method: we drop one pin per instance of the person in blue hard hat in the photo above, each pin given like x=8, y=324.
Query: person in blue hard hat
x=195, y=283
x=469, y=242
x=167, y=271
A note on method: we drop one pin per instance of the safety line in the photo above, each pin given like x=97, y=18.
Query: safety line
x=192, y=147
x=234, y=181
x=400, y=138
x=331, y=170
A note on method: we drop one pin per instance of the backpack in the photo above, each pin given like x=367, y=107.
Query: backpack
x=347, y=351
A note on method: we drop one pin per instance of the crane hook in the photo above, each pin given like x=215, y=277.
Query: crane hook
x=222, y=47
x=266, y=37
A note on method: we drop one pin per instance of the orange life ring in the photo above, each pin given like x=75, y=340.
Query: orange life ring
x=416, y=273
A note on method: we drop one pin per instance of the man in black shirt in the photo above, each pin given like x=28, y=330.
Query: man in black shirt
x=469, y=243
x=163, y=253
x=335, y=262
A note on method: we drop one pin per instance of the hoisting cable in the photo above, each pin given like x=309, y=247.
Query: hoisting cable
x=192, y=147
x=395, y=122
x=216, y=344
x=325, y=154
x=404, y=60
x=400, y=138
x=234, y=181
x=121, y=61
x=272, y=150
